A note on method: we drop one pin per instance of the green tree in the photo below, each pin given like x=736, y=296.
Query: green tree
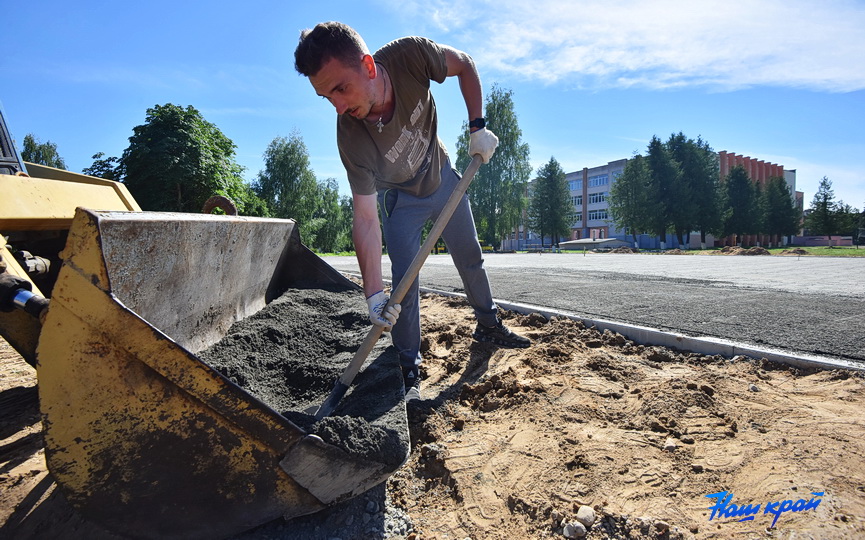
x=288, y=184
x=550, y=208
x=498, y=190
x=346, y=207
x=333, y=231
x=104, y=167
x=41, y=153
x=859, y=237
x=781, y=216
x=629, y=203
x=696, y=198
x=176, y=160
x=831, y=218
x=740, y=198
x=823, y=218
x=681, y=210
x=664, y=179
x=758, y=223
x=848, y=219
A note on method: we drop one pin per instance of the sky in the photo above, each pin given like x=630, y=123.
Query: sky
x=592, y=81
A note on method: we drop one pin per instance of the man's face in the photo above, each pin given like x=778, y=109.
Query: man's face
x=349, y=89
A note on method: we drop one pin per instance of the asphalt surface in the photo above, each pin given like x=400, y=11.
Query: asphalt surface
x=801, y=305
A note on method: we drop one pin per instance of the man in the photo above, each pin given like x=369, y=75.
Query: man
x=388, y=141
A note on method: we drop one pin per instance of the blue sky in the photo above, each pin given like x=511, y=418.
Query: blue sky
x=592, y=81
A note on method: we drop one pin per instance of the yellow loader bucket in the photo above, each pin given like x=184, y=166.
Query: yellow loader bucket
x=141, y=435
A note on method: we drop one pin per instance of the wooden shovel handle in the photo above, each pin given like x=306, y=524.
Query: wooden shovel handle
x=397, y=295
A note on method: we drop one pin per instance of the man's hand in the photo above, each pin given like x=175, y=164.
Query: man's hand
x=483, y=142
x=378, y=315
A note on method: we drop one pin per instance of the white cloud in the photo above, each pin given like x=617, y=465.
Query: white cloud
x=659, y=43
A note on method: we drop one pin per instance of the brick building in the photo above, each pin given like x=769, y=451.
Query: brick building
x=759, y=172
x=590, y=188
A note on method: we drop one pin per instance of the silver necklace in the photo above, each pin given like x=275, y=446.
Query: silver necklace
x=378, y=123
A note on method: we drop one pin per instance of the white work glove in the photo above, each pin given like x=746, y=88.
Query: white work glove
x=377, y=314
x=483, y=142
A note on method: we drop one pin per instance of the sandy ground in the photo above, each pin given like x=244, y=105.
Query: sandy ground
x=511, y=443
x=517, y=440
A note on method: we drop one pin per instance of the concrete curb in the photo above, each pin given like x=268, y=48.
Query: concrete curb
x=652, y=336
x=702, y=345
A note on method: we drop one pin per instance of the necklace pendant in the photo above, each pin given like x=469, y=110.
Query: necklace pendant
x=379, y=125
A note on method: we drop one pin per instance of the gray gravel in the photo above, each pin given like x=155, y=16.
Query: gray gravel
x=288, y=355
x=803, y=305
x=370, y=516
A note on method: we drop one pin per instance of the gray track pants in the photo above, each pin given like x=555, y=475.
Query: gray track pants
x=403, y=217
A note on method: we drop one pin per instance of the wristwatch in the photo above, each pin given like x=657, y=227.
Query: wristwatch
x=477, y=123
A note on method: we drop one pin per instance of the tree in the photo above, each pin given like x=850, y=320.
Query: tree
x=681, y=210
x=781, y=216
x=346, y=207
x=176, y=160
x=497, y=192
x=859, y=237
x=550, y=209
x=831, y=218
x=664, y=178
x=740, y=198
x=108, y=168
x=629, y=204
x=333, y=230
x=41, y=153
x=288, y=184
x=696, y=196
x=758, y=218
x=823, y=219
x=848, y=219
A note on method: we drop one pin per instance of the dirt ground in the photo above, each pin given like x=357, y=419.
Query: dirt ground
x=512, y=443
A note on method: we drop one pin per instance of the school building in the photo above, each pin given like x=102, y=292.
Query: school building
x=590, y=189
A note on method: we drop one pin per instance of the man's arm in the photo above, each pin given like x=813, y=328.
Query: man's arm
x=481, y=140
x=366, y=233
x=463, y=67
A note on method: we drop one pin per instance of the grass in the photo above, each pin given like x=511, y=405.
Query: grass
x=812, y=251
x=826, y=251
x=338, y=254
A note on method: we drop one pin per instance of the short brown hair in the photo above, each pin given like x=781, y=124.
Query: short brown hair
x=328, y=40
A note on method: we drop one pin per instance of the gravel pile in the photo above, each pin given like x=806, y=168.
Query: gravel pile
x=288, y=356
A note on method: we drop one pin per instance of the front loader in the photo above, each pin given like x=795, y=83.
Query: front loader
x=143, y=437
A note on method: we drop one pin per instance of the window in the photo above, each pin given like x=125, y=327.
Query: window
x=597, y=214
x=575, y=185
x=597, y=197
x=579, y=217
x=577, y=201
x=599, y=180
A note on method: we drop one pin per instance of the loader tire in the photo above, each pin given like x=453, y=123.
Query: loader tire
x=218, y=201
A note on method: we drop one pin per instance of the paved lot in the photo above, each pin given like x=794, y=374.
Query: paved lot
x=810, y=305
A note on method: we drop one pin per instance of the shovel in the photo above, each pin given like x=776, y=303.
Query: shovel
x=345, y=380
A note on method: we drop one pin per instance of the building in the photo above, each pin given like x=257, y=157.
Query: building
x=759, y=172
x=590, y=188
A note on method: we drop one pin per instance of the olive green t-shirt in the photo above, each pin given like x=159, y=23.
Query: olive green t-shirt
x=407, y=154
